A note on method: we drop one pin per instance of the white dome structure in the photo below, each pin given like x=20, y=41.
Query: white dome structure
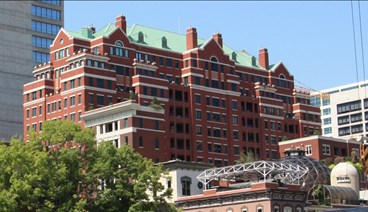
x=345, y=175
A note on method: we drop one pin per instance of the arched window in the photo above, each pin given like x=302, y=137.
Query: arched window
x=282, y=76
x=276, y=208
x=119, y=43
x=164, y=42
x=244, y=209
x=47, y=75
x=287, y=209
x=140, y=37
x=214, y=65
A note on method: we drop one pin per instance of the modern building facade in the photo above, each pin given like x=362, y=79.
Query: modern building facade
x=27, y=28
x=170, y=96
x=344, y=110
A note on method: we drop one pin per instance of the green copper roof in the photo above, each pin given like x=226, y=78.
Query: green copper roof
x=174, y=42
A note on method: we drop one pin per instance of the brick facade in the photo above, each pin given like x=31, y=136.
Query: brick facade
x=216, y=101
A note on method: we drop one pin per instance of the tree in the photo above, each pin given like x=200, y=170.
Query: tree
x=61, y=169
x=245, y=158
x=284, y=138
x=43, y=175
x=125, y=180
x=316, y=132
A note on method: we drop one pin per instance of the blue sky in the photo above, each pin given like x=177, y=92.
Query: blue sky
x=313, y=39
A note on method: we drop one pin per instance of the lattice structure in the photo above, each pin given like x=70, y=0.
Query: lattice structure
x=318, y=172
x=259, y=170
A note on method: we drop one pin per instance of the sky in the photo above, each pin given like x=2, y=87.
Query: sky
x=314, y=40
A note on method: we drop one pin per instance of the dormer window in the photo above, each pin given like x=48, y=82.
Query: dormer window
x=233, y=56
x=164, y=42
x=140, y=37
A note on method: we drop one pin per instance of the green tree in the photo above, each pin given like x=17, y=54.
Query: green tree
x=61, y=169
x=42, y=176
x=245, y=158
x=125, y=179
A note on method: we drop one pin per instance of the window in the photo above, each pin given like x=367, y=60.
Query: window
x=46, y=13
x=198, y=114
x=327, y=121
x=349, y=106
x=125, y=121
x=100, y=100
x=90, y=98
x=327, y=130
x=72, y=117
x=100, y=83
x=325, y=149
x=344, y=131
x=79, y=98
x=40, y=57
x=234, y=105
x=41, y=42
x=197, y=98
x=40, y=110
x=72, y=101
x=65, y=103
x=140, y=122
x=52, y=2
x=308, y=150
x=185, y=183
x=155, y=123
x=326, y=111
x=288, y=209
x=45, y=27
x=168, y=62
x=34, y=112
x=236, y=150
x=236, y=135
x=157, y=143
x=343, y=120
x=235, y=120
x=140, y=142
x=199, y=146
x=199, y=130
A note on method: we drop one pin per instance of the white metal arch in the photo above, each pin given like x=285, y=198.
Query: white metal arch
x=286, y=172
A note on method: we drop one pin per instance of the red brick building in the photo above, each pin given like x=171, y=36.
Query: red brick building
x=217, y=101
x=258, y=197
x=321, y=147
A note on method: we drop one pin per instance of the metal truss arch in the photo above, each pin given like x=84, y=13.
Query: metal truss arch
x=260, y=169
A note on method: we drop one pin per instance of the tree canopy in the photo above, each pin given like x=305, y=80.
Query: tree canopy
x=61, y=169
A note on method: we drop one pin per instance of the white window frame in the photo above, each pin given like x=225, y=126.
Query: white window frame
x=308, y=150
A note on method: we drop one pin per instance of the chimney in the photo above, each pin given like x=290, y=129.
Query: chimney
x=191, y=37
x=218, y=38
x=92, y=28
x=121, y=22
x=263, y=58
